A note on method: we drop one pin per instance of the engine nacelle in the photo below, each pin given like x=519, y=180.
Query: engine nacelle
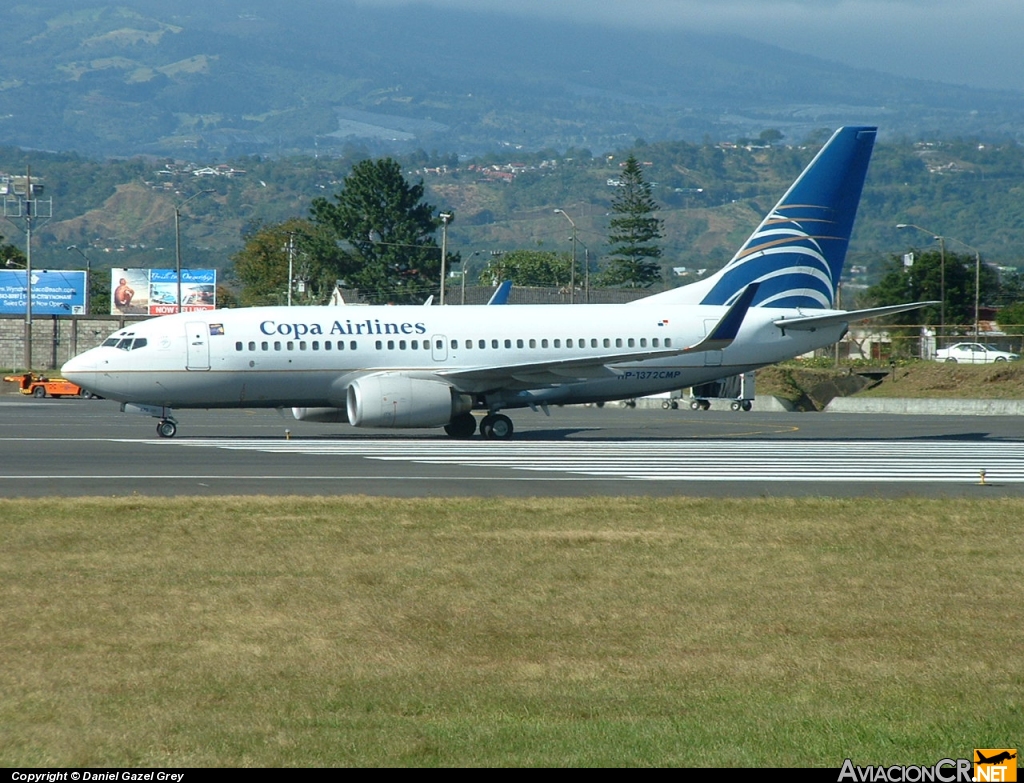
x=326, y=415
x=393, y=400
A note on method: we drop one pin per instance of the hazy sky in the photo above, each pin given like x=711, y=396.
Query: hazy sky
x=975, y=42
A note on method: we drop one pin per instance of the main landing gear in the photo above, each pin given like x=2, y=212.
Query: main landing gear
x=166, y=428
x=494, y=426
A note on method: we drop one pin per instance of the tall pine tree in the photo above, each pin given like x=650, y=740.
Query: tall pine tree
x=633, y=232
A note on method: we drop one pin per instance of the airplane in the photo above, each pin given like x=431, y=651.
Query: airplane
x=996, y=759
x=414, y=367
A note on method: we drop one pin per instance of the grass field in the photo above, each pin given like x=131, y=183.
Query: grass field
x=361, y=631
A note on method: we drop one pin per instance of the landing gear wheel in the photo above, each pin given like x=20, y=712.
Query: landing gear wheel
x=705, y=405
x=950, y=360
x=39, y=391
x=497, y=426
x=166, y=429
x=461, y=427
x=694, y=405
x=734, y=406
x=746, y=405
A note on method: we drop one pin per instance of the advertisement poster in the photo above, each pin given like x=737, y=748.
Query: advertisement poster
x=155, y=291
x=53, y=293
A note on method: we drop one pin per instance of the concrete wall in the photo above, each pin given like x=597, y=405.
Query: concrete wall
x=55, y=339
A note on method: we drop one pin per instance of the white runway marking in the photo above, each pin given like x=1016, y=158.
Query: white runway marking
x=721, y=460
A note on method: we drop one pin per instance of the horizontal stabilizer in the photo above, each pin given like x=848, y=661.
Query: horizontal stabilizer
x=812, y=322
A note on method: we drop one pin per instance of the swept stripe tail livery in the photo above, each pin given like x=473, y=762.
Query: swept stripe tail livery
x=408, y=367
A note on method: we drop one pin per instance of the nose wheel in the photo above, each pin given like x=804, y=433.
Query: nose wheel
x=166, y=428
x=496, y=426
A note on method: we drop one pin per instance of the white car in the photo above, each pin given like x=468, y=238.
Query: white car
x=974, y=353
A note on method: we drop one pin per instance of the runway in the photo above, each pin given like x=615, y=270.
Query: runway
x=87, y=447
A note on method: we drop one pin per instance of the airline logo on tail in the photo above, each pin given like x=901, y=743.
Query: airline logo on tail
x=797, y=252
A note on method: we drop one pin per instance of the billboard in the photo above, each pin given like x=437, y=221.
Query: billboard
x=155, y=291
x=53, y=293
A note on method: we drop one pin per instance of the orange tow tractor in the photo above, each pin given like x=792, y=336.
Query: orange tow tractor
x=39, y=386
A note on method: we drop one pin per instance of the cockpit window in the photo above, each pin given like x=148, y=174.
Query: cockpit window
x=127, y=343
x=110, y=342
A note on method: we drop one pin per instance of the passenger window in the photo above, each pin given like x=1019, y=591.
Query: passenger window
x=508, y=343
x=440, y=344
x=352, y=345
x=668, y=342
x=543, y=343
x=533, y=343
x=593, y=342
x=302, y=345
x=415, y=345
x=291, y=345
x=494, y=343
x=631, y=342
x=519, y=343
x=327, y=345
x=481, y=344
x=401, y=345
x=391, y=345
x=643, y=342
x=618, y=342
x=277, y=345
x=264, y=346
x=568, y=343
x=558, y=343
x=316, y=345
x=654, y=342
x=607, y=343
x=238, y=346
x=379, y=345
x=469, y=343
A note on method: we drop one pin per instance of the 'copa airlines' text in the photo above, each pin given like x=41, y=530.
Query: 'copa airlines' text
x=347, y=327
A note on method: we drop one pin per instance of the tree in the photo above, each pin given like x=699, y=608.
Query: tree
x=530, y=268
x=10, y=253
x=261, y=266
x=633, y=232
x=384, y=234
x=924, y=281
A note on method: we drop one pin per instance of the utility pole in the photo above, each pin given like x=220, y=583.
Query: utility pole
x=445, y=217
x=26, y=206
x=572, y=272
x=177, y=240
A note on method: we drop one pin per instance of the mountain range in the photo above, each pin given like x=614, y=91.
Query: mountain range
x=213, y=80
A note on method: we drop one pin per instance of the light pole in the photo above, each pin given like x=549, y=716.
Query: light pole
x=88, y=274
x=572, y=271
x=977, y=279
x=177, y=240
x=445, y=217
x=465, y=267
x=942, y=274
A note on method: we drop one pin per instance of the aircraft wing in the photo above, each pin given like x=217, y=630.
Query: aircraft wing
x=595, y=366
x=812, y=322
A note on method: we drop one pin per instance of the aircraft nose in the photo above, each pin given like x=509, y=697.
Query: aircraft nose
x=83, y=363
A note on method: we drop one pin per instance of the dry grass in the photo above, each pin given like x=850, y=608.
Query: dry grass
x=364, y=631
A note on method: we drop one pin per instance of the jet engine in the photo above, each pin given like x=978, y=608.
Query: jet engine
x=393, y=400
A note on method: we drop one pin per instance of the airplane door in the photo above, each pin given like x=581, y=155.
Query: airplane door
x=197, y=340
x=711, y=358
x=439, y=347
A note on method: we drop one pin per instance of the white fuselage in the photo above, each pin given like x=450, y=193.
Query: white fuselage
x=507, y=356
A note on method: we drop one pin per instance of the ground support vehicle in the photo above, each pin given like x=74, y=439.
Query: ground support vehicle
x=40, y=386
x=737, y=390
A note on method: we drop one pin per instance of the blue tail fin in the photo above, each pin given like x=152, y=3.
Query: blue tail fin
x=797, y=252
